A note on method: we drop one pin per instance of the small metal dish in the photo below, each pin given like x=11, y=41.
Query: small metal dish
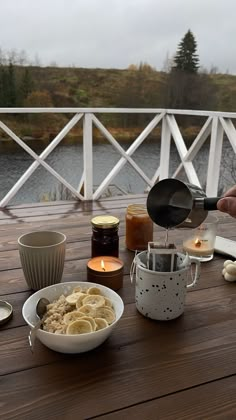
x=6, y=311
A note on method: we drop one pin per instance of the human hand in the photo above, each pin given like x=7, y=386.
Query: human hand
x=227, y=204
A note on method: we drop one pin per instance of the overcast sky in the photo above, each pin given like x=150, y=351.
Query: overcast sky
x=117, y=33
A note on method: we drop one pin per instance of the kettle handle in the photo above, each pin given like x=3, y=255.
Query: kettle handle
x=210, y=203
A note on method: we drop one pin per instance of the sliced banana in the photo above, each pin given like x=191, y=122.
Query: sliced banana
x=91, y=320
x=108, y=307
x=80, y=299
x=72, y=298
x=106, y=313
x=88, y=310
x=96, y=300
x=100, y=323
x=108, y=302
x=77, y=289
x=80, y=326
x=94, y=291
x=72, y=316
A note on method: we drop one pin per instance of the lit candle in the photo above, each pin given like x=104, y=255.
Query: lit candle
x=198, y=247
x=106, y=270
x=200, y=242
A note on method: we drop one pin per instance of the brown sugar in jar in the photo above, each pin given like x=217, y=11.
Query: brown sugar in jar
x=139, y=227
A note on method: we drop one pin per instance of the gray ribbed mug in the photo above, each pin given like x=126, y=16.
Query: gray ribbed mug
x=42, y=256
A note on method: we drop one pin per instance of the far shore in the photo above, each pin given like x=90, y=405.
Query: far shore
x=120, y=134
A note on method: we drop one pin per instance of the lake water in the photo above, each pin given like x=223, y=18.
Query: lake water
x=67, y=160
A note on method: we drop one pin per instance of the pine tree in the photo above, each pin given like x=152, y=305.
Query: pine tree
x=186, y=58
x=4, y=87
x=8, y=91
x=26, y=86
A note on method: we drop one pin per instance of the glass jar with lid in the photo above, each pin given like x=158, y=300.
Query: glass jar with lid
x=105, y=239
x=139, y=227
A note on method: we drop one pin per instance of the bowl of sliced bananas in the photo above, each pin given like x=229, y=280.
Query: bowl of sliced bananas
x=79, y=317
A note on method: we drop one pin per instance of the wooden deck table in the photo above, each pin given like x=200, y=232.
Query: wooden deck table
x=181, y=369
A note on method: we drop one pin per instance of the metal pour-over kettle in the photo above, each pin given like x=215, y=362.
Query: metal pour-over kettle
x=173, y=203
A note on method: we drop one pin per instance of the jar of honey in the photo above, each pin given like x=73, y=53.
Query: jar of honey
x=139, y=227
x=105, y=239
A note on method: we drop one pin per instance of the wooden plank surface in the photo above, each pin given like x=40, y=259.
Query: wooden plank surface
x=182, y=369
x=215, y=401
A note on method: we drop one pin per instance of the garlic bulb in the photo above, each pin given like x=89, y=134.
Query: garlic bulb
x=229, y=270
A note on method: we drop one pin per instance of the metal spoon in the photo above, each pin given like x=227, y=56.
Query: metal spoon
x=41, y=308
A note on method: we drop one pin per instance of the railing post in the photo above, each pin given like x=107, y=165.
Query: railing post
x=214, y=159
x=165, y=149
x=182, y=150
x=88, y=156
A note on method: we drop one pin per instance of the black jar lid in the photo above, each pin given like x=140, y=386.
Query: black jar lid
x=105, y=222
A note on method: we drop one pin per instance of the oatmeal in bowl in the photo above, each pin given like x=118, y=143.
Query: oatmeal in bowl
x=80, y=316
x=85, y=310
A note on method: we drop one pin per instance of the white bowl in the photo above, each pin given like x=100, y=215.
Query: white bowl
x=64, y=343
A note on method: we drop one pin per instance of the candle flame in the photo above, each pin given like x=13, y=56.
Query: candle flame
x=198, y=243
x=103, y=265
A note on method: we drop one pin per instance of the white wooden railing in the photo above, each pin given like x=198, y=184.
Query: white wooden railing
x=216, y=125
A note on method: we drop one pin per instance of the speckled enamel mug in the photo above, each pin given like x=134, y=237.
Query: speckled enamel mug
x=42, y=256
x=161, y=295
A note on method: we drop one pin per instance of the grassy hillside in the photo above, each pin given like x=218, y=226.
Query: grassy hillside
x=112, y=87
x=131, y=88
x=94, y=87
x=225, y=85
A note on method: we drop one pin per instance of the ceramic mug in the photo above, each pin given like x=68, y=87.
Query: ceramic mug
x=42, y=256
x=160, y=295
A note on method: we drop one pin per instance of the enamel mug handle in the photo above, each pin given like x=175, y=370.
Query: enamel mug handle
x=132, y=270
x=195, y=277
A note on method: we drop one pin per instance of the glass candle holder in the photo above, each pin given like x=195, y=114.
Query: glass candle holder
x=200, y=242
x=139, y=227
